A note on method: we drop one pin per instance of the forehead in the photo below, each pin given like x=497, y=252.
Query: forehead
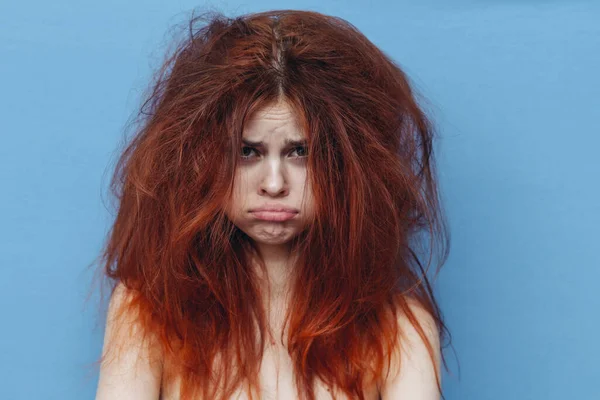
x=272, y=123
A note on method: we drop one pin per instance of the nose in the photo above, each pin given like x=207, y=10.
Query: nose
x=273, y=182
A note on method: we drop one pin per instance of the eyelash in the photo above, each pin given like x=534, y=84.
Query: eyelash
x=255, y=150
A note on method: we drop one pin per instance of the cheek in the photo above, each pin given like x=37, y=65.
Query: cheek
x=238, y=196
x=241, y=184
x=308, y=200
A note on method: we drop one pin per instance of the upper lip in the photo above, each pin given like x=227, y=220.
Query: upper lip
x=275, y=207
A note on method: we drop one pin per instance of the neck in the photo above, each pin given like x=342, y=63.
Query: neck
x=279, y=261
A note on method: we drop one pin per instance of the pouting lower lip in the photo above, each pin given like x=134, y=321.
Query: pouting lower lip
x=274, y=215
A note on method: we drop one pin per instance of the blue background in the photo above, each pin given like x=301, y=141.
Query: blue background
x=513, y=87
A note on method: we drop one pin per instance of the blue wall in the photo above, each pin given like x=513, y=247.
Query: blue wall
x=513, y=86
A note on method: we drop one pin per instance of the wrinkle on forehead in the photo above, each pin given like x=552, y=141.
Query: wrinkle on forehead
x=272, y=119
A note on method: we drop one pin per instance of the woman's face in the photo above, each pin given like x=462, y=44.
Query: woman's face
x=271, y=179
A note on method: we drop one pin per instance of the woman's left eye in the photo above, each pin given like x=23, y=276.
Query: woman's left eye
x=302, y=150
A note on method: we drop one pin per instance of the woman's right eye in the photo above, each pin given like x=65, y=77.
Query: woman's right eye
x=247, y=152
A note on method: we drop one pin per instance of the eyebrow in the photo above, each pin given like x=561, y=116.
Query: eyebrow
x=287, y=143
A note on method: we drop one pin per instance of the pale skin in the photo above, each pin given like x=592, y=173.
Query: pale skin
x=275, y=172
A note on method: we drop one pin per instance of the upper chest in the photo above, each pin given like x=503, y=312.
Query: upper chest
x=276, y=380
x=276, y=375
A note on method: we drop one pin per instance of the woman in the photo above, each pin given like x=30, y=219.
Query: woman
x=265, y=244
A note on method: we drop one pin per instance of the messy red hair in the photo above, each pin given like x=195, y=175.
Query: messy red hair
x=371, y=168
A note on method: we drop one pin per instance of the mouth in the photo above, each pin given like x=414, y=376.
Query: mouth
x=281, y=214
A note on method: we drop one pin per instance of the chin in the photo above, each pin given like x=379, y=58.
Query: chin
x=272, y=242
x=270, y=233
x=273, y=237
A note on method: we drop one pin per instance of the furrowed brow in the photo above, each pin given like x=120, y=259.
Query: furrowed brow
x=251, y=143
x=295, y=143
x=288, y=143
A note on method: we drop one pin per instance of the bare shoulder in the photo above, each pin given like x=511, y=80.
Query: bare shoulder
x=414, y=366
x=131, y=365
x=424, y=319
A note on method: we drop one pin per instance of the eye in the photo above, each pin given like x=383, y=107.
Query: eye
x=246, y=152
x=302, y=151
